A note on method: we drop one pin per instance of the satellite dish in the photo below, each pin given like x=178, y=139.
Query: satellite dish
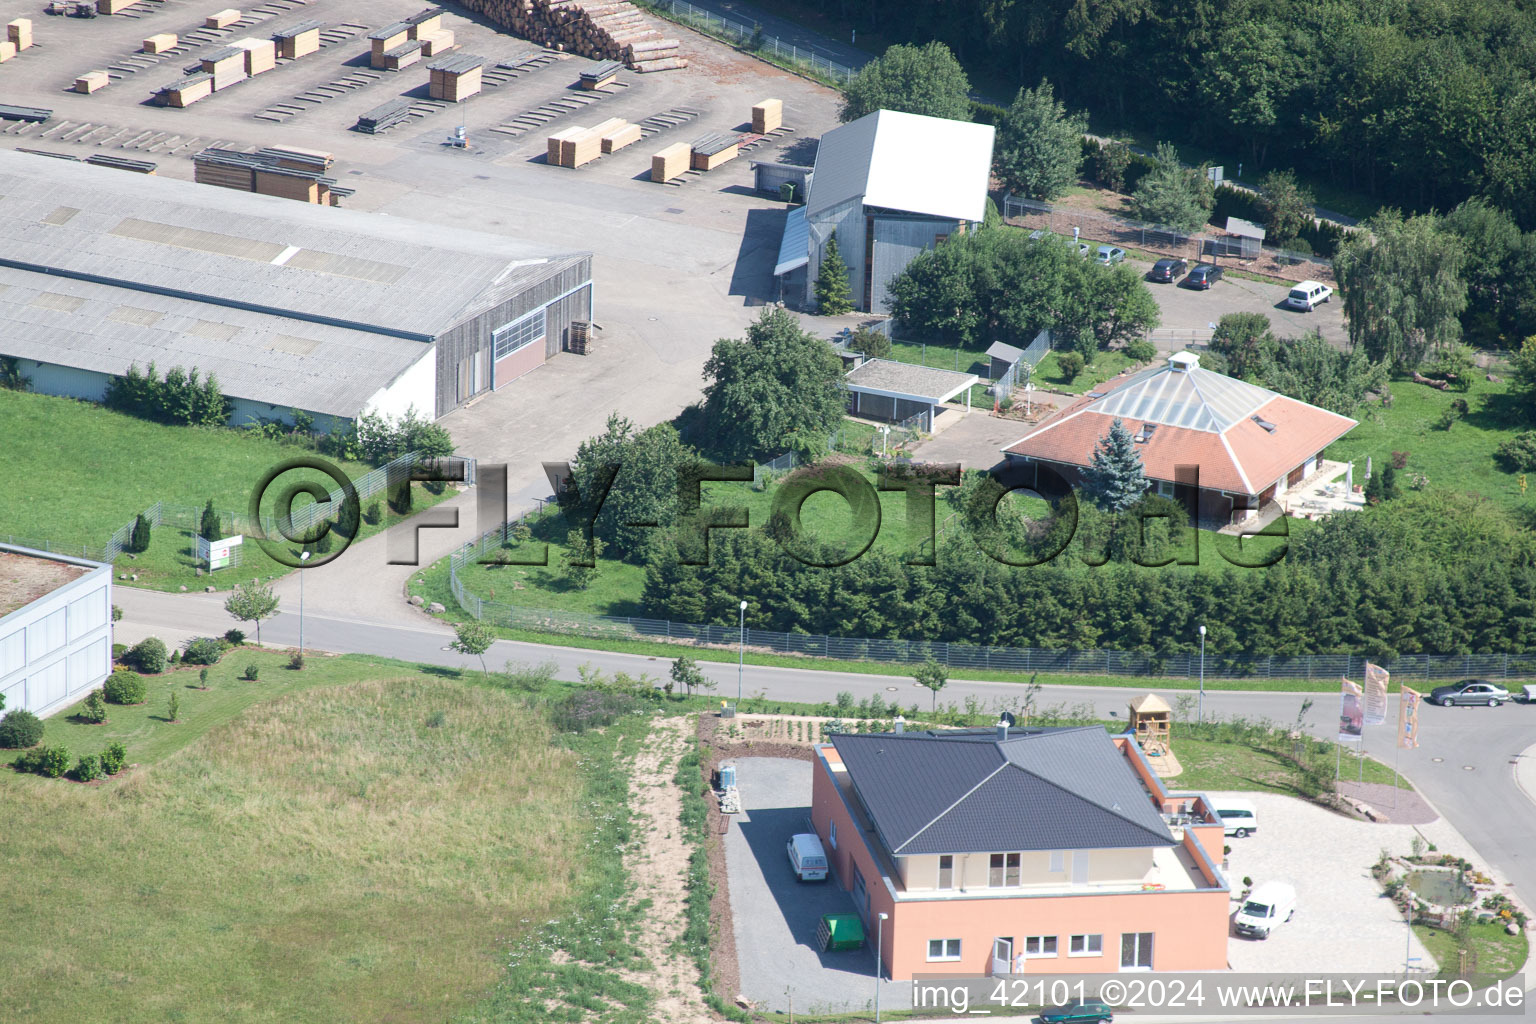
x=1007, y=716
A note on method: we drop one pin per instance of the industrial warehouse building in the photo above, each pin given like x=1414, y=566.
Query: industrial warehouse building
x=293, y=306
x=890, y=185
x=55, y=628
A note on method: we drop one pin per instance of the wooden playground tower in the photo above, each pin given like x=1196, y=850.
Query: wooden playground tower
x=1151, y=719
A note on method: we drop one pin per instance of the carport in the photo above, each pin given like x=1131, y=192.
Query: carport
x=883, y=389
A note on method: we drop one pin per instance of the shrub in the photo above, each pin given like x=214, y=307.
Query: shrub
x=20, y=728
x=1399, y=460
x=234, y=637
x=88, y=768
x=113, y=758
x=436, y=719
x=251, y=672
x=28, y=761
x=373, y=514
x=296, y=662
x=125, y=687
x=175, y=658
x=95, y=709
x=1141, y=350
x=202, y=679
x=138, y=540
x=203, y=650
x=987, y=113
x=1518, y=454
x=53, y=762
x=148, y=655
x=173, y=708
x=1070, y=363
x=592, y=709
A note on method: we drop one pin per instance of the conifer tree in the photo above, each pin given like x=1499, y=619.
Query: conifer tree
x=832, y=293
x=1114, y=480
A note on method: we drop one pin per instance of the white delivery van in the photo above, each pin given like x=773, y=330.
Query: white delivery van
x=1269, y=904
x=807, y=858
x=1238, y=817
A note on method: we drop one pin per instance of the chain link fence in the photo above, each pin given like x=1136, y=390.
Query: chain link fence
x=749, y=37
x=1161, y=239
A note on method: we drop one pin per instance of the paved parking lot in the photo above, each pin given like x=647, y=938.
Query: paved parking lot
x=1185, y=308
x=1342, y=922
x=776, y=916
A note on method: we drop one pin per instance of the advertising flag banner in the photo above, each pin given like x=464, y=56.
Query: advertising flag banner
x=1376, y=679
x=1408, y=719
x=1351, y=713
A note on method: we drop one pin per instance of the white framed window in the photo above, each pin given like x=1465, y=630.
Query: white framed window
x=518, y=334
x=1058, y=861
x=1039, y=946
x=1003, y=871
x=943, y=949
x=946, y=871
x=1136, y=951
x=832, y=836
x=1165, y=488
x=1085, y=945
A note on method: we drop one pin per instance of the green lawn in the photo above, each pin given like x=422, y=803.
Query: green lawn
x=1106, y=365
x=119, y=465
x=1212, y=766
x=360, y=840
x=1499, y=955
x=1460, y=458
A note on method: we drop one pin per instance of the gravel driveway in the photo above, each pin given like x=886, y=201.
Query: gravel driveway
x=776, y=916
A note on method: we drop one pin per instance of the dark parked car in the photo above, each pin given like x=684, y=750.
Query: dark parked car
x=1082, y=1010
x=1203, y=276
x=1469, y=691
x=1168, y=270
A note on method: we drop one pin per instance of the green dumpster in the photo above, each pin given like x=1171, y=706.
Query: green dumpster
x=840, y=931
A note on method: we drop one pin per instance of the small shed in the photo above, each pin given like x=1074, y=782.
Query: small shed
x=840, y=931
x=884, y=389
x=1244, y=238
x=769, y=177
x=1152, y=721
x=1003, y=358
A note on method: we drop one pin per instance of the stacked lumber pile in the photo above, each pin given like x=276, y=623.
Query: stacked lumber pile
x=427, y=29
x=299, y=40
x=227, y=66
x=668, y=163
x=185, y=91
x=19, y=34
x=260, y=54
x=712, y=150
x=599, y=29
x=283, y=171
x=385, y=39
x=7, y=50
x=35, y=115
x=160, y=43
x=455, y=78
x=91, y=81
x=222, y=19
x=122, y=163
x=767, y=116
x=113, y=6
x=384, y=116
x=576, y=146
x=600, y=74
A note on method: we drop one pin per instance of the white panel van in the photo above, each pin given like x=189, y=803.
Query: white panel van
x=807, y=858
x=1238, y=818
x=1270, y=904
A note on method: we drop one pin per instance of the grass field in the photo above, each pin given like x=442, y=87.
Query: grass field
x=1213, y=765
x=119, y=465
x=357, y=841
x=1106, y=365
x=1460, y=458
x=1499, y=955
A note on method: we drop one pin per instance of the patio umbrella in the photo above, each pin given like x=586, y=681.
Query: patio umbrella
x=1349, y=479
x=1367, y=467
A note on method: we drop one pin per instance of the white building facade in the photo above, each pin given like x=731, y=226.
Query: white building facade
x=55, y=648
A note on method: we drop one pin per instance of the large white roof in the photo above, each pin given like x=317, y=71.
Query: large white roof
x=907, y=162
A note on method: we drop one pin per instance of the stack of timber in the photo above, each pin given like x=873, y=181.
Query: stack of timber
x=402, y=56
x=668, y=163
x=91, y=81
x=185, y=91
x=576, y=146
x=260, y=54
x=122, y=163
x=427, y=29
x=7, y=50
x=37, y=115
x=385, y=39
x=160, y=43
x=599, y=29
x=222, y=19
x=714, y=149
x=276, y=171
x=19, y=33
x=624, y=134
x=299, y=40
x=226, y=65
x=767, y=116
x=437, y=44
x=455, y=78
x=384, y=116
x=600, y=74
x=113, y=6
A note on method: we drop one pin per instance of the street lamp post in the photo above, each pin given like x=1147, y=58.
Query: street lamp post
x=303, y=557
x=879, y=963
x=1201, y=714
x=741, y=655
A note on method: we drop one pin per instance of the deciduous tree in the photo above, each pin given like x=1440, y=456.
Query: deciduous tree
x=916, y=79
x=1402, y=287
x=252, y=602
x=1039, y=144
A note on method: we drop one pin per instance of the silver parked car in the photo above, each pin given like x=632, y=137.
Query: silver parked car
x=1469, y=691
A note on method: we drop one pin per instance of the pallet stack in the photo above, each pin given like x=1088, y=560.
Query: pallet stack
x=625, y=134
x=455, y=78
x=386, y=39
x=599, y=29
x=299, y=40
x=282, y=171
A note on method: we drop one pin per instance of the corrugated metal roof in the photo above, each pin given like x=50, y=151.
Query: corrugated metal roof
x=969, y=792
x=287, y=363
x=907, y=162
x=217, y=244
x=794, y=246
x=1007, y=353
x=888, y=377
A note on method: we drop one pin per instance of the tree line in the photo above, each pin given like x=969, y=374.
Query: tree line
x=1420, y=105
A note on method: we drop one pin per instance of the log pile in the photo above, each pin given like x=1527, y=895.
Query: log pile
x=599, y=29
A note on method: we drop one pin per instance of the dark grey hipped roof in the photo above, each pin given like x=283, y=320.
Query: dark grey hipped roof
x=969, y=792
